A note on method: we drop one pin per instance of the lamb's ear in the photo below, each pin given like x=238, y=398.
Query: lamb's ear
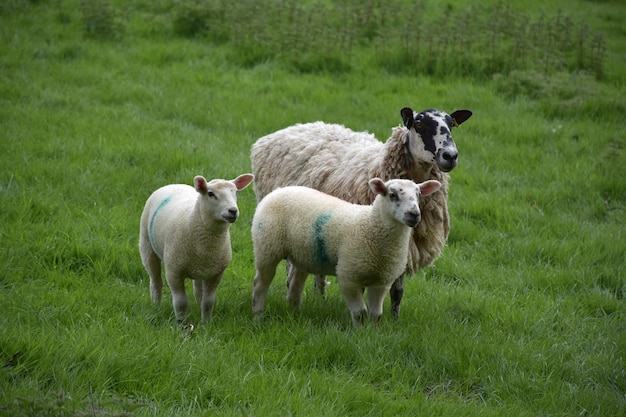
x=460, y=116
x=243, y=181
x=378, y=186
x=429, y=187
x=407, y=117
x=200, y=183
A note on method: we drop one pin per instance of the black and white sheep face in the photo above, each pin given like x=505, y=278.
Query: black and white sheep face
x=431, y=137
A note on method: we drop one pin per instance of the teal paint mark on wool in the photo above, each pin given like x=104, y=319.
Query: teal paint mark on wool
x=319, y=243
x=151, y=227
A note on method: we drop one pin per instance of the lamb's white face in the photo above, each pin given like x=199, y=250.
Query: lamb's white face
x=222, y=198
x=402, y=197
x=431, y=138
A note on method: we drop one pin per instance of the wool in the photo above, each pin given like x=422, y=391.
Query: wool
x=339, y=161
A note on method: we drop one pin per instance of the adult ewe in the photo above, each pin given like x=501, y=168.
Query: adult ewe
x=189, y=229
x=321, y=234
x=339, y=162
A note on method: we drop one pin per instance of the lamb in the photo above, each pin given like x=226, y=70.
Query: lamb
x=189, y=230
x=364, y=246
x=339, y=161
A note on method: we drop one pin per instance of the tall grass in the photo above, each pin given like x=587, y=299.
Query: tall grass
x=404, y=37
x=522, y=315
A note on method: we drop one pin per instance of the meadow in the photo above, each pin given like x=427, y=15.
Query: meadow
x=103, y=102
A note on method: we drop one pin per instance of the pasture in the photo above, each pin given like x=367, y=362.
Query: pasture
x=102, y=103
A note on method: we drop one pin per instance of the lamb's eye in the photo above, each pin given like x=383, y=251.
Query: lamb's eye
x=393, y=196
x=211, y=194
x=419, y=125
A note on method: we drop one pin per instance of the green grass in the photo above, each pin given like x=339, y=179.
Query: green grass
x=522, y=315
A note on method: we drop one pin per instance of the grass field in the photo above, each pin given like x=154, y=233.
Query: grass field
x=102, y=103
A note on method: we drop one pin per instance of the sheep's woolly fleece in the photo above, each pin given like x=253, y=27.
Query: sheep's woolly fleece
x=338, y=161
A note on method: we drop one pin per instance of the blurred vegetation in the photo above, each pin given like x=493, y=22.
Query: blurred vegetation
x=475, y=40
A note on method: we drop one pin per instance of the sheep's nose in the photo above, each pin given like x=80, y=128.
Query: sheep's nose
x=447, y=160
x=412, y=218
x=450, y=156
x=231, y=214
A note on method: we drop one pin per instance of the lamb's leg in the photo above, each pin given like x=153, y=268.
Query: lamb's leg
x=375, y=298
x=262, y=280
x=287, y=272
x=208, y=289
x=198, y=291
x=152, y=264
x=176, y=283
x=320, y=281
x=396, y=293
x=297, y=279
x=356, y=304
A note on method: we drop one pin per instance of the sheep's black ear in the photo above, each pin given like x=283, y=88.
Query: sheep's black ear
x=407, y=117
x=460, y=116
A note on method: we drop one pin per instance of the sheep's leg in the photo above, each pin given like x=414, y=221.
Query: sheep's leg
x=356, y=304
x=320, y=284
x=207, y=288
x=297, y=279
x=262, y=280
x=375, y=298
x=176, y=283
x=396, y=293
x=152, y=264
x=287, y=269
x=198, y=291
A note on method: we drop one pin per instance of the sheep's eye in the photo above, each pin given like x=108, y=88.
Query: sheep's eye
x=393, y=196
x=419, y=125
x=211, y=194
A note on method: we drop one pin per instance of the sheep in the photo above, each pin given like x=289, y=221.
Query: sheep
x=338, y=161
x=365, y=246
x=189, y=230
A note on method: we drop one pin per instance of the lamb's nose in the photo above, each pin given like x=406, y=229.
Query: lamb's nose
x=233, y=212
x=412, y=218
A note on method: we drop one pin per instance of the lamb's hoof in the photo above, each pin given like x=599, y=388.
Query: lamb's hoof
x=189, y=328
x=376, y=319
x=359, y=318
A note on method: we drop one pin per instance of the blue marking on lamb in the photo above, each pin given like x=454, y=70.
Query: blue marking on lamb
x=321, y=252
x=156, y=211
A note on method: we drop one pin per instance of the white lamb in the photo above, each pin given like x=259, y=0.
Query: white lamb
x=364, y=246
x=338, y=161
x=188, y=229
